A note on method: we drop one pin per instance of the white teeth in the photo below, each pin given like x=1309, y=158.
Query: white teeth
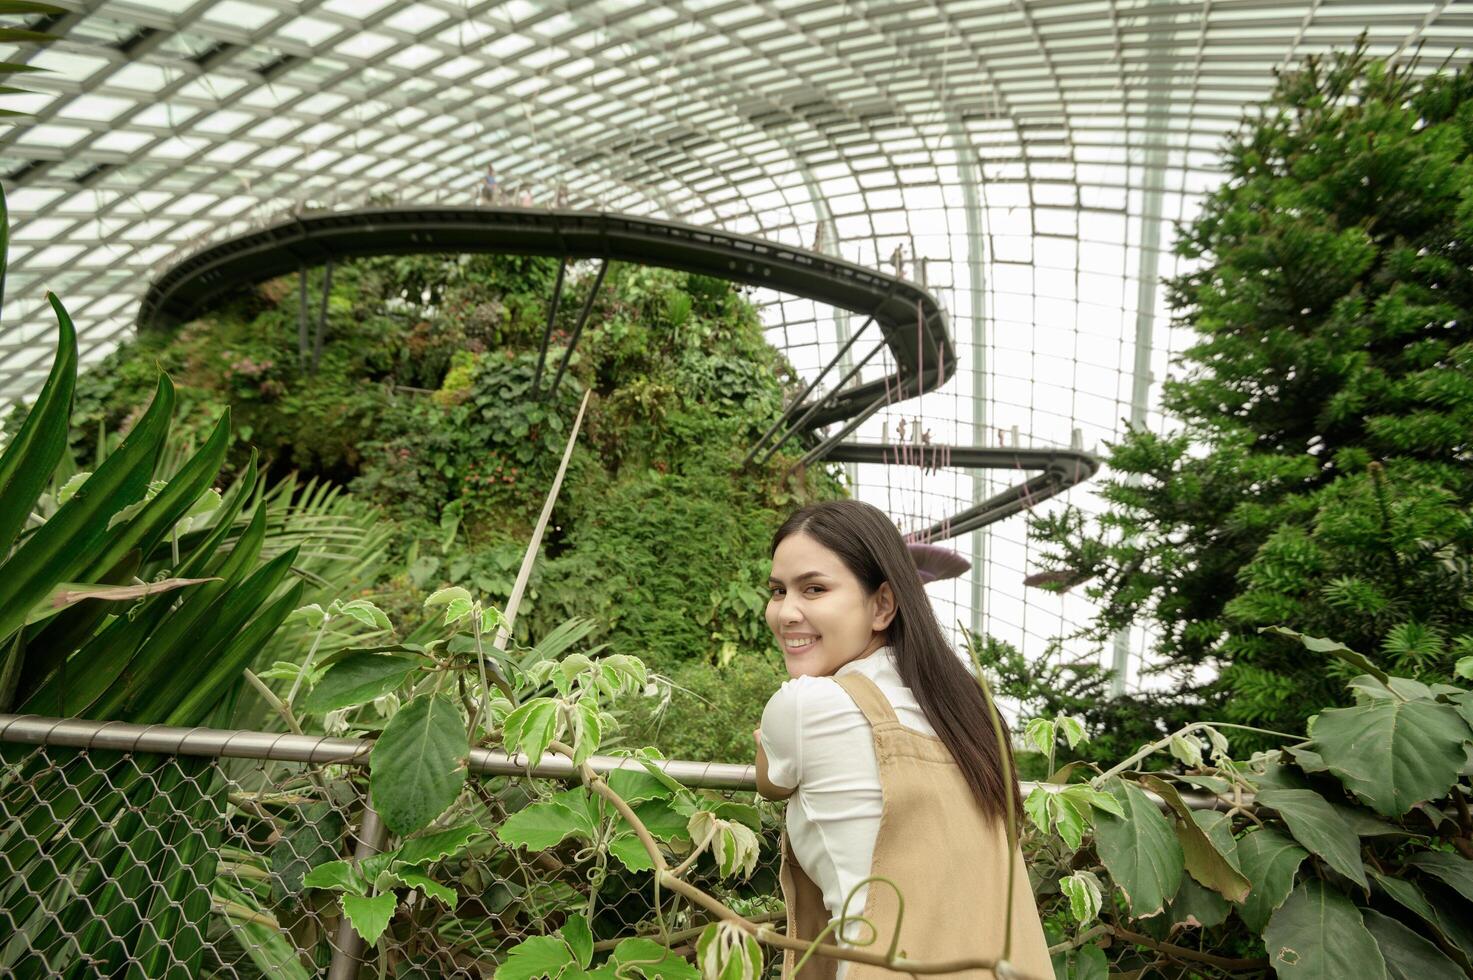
x=800, y=644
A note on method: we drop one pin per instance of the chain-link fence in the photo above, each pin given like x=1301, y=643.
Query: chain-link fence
x=152, y=852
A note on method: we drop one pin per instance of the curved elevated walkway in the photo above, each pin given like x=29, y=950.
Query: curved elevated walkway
x=913, y=327
x=923, y=352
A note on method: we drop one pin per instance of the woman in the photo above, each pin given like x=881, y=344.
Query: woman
x=883, y=744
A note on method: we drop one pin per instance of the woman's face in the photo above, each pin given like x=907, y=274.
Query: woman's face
x=818, y=610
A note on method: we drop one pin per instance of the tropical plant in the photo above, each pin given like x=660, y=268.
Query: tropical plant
x=1318, y=476
x=1346, y=853
x=131, y=599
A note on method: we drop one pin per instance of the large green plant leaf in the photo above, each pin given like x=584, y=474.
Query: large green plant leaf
x=357, y=678
x=418, y=765
x=1318, y=827
x=648, y=958
x=1393, y=754
x=540, y=956
x=31, y=457
x=1408, y=955
x=1140, y=850
x=369, y=916
x=1202, y=858
x=1194, y=906
x=1319, y=644
x=1317, y=934
x=1451, y=922
x=1450, y=868
x=541, y=825
x=1269, y=859
x=437, y=846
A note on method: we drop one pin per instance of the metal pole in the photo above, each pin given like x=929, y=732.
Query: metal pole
x=347, y=954
x=229, y=744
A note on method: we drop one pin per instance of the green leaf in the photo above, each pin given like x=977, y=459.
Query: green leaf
x=579, y=937
x=1203, y=860
x=1393, y=754
x=1316, y=825
x=637, y=786
x=1408, y=955
x=1450, y=868
x=539, y=826
x=431, y=888
x=1318, y=644
x=1196, y=907
x=456, y=610
x=1317, y=934
x=434, y=847
x=1040, y=731
x=367, y=613
x=1140, y=850
x=1464, y=667
x=1036, y=805
x=540, y=956
x=1070, y=814
x=529, y=728
x=1082, y=889
x=445, y=596
x=650, y=758
x=1269, y=859
x=725, y=952
x=630, y=852
x=418, y=765
x=68, y=594
x=645, y=957
x=1367, y=687
x=1442, y=912
x=70, y=540
x=1089, y=963
x=359, y=678
x=370, y=916
x=36, y=449
x=1072, y=727
x=587, y=729
x=335, y=875
x=663, y=821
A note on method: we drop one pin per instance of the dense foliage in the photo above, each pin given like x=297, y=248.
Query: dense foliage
x=1318, y=475
x=421, y=400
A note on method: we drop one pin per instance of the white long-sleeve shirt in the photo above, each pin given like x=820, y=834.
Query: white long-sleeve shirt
x=816, y=738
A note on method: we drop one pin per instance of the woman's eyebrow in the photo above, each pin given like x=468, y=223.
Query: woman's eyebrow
x=800, y=578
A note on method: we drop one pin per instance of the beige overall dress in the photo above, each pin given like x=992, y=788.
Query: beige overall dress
x=936, y=844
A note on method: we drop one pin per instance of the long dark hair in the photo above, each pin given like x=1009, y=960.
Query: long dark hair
x=949, y=696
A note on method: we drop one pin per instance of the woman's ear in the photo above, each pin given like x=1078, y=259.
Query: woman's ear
x=884, y=599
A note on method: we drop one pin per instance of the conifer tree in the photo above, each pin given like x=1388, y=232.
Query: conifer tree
x=1317, y=472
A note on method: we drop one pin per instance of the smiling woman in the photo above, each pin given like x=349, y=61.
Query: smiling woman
x=881, y=720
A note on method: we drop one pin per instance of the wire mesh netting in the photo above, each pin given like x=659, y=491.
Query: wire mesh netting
x=118, y=863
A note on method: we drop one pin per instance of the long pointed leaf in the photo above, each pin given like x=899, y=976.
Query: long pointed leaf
x=67, y=542
x=28, y=462
x=160, y=514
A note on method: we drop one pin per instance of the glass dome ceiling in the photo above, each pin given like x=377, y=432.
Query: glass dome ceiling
x=1024, y=160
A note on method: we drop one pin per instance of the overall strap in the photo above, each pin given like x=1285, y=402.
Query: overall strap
x=871, y=700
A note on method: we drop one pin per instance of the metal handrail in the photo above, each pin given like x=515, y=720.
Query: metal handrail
x=220, y=743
